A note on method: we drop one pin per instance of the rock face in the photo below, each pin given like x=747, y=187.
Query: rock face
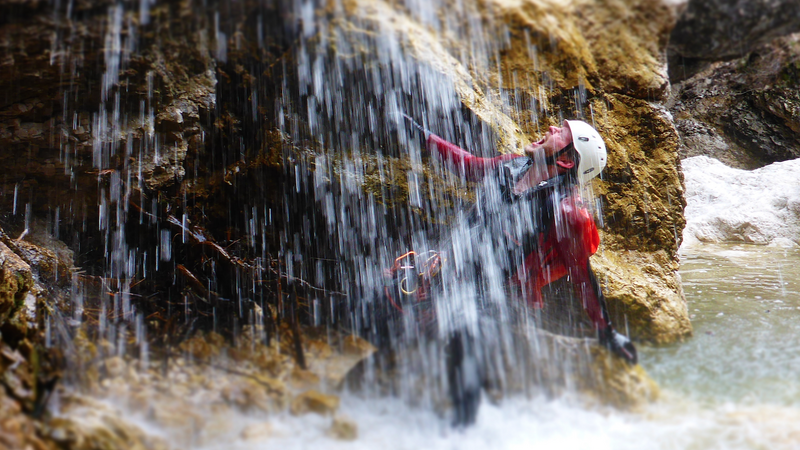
x=207, y=394
x=720, y=30
x=16, y=282
x=737, y=102
x=63, y=129
x=746, y=111
x=27, y=366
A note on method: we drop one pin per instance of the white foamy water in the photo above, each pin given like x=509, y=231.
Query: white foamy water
x=675, y=422
x=516, y=424
x=724, y=204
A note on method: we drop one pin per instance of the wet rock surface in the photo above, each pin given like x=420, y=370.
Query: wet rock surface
x=126, y=403
x=29, y=369
x=343, y=429
x=653, y=305
x=743, y=112
x=60, y=121
x=91, y=424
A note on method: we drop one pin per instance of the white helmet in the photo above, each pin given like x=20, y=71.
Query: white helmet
x=590, y=147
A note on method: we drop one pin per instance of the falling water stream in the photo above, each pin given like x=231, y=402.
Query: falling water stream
x=357, y=189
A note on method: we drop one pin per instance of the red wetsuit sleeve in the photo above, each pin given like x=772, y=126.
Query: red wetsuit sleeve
x=462, y=162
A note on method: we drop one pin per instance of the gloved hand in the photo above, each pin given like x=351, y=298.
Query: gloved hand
x=619, y=344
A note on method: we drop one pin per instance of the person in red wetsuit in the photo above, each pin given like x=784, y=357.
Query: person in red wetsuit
x=566, y=158
x=552, y=170
x=527, y=229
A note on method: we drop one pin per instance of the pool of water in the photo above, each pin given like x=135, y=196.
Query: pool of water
x=745, y=307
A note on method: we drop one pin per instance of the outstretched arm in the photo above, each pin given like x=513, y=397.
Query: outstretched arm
x=462, y=162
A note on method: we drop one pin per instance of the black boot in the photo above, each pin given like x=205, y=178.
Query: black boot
x=463, y=376
x=619, y=344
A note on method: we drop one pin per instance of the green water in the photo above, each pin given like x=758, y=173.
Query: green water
x=744, y=302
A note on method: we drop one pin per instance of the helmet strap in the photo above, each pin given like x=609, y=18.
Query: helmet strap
x=551, y=160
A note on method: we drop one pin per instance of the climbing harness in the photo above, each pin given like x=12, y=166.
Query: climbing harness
x=412, y=274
